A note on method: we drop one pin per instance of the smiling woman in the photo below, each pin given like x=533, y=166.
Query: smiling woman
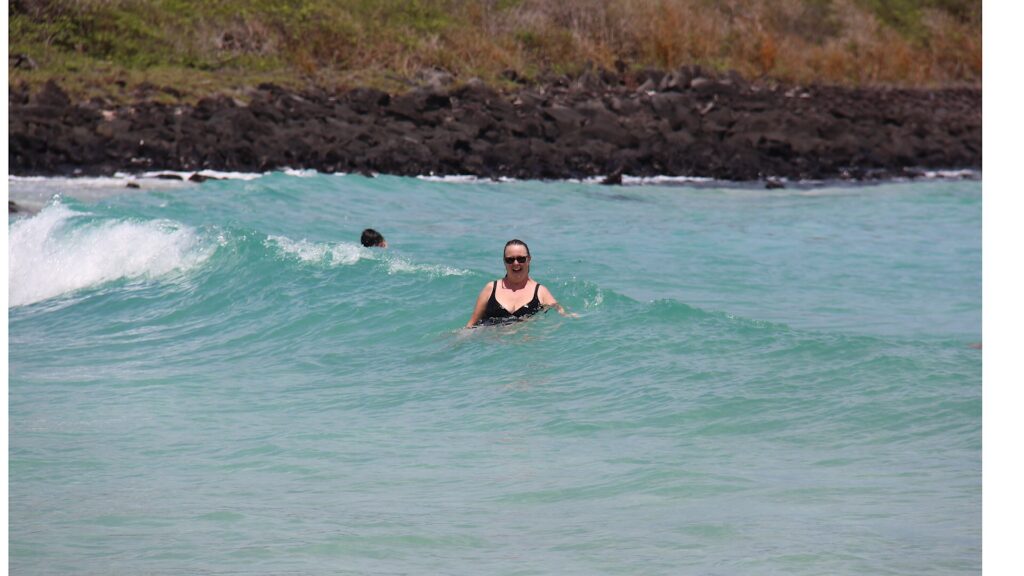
x=509, y=299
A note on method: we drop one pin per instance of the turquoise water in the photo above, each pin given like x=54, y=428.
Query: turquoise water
x=216, y=379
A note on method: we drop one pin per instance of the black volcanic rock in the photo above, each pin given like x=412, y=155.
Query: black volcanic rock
x=698, y=125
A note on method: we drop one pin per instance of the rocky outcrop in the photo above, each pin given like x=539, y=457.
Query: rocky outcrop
x=686, y=123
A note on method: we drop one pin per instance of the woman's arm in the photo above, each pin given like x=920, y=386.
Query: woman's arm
x=547, y=299
x=481, y=306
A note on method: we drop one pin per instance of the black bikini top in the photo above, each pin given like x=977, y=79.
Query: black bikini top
x=496, y=311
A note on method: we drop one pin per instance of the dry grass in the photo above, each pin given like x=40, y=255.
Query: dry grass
x=795, y=40
x=382, y=42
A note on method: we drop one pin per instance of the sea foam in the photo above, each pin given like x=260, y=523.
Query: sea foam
x=334, y=254
x=51, y=253
x=343, y=254
x=400, y=265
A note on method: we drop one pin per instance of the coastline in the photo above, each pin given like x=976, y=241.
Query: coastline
x=689, y=123
x=30, y=194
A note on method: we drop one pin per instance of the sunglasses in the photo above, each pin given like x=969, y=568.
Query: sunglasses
x=520, y=259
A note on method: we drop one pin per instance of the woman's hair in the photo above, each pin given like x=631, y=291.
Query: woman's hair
x=515, y=242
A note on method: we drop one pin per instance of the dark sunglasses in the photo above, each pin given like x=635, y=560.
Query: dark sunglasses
x=520, y=259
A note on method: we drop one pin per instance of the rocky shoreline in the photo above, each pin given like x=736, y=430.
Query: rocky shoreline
x=685, y=123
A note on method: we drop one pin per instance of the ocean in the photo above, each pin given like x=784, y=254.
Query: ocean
x=217, y=378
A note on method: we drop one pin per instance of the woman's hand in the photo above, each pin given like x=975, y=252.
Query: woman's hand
x=546, y=299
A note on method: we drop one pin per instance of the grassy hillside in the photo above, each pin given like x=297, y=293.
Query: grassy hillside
x=197, y=47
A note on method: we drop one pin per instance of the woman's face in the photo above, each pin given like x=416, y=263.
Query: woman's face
x=516, y=259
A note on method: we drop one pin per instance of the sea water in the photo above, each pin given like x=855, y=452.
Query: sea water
x=218, y=378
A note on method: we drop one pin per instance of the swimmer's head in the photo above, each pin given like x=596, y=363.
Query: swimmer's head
x=516, y=255
x=517, y=242
x=371, y=238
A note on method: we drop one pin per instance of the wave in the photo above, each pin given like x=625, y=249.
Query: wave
x=591, y=300
x=91, y=187
x=398, y=265
x=704, y=181
x=344, y=254
x=59, y=251
x=331, y=254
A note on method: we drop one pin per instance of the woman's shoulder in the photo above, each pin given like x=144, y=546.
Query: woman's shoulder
x=491, y=286
x=545, y=295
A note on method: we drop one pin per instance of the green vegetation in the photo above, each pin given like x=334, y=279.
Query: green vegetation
x=109, y=47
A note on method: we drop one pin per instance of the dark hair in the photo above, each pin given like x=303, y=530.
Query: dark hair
x=371, y=238
x=515, y=242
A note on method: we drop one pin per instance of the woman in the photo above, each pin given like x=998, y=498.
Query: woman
x=516, y=296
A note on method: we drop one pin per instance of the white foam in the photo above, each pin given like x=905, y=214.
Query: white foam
x=956, y=174
x=80, y=180
x=152, y=177
x=465, y=179
x=208, y=173
x=455, y=179
x=35, y=192
x=469, y=179
x=665, y=179
x=399, y=266
x=49, y=256
x=89, y=186
x=340, y=253
x=343, y=254
x=300, y=173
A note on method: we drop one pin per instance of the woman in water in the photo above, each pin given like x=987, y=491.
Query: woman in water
x=516, y=296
